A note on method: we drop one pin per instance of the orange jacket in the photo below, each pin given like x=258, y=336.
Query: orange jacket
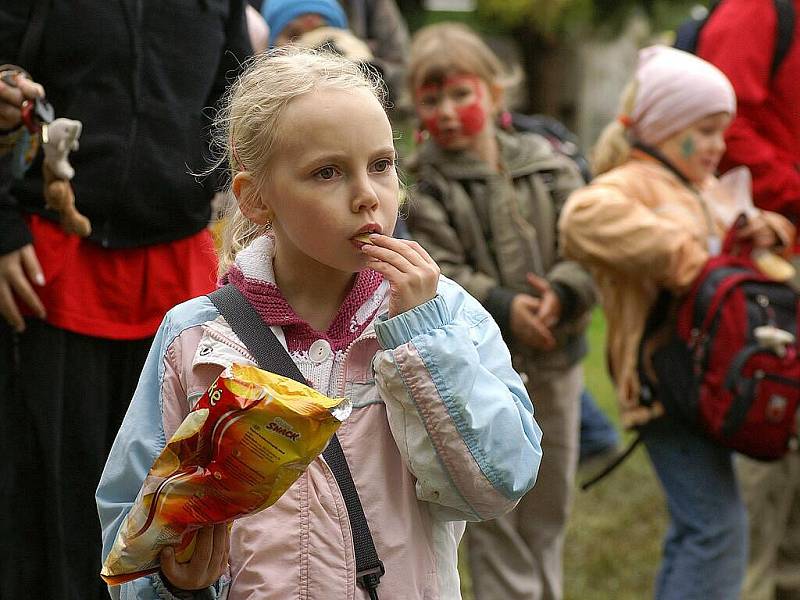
x=640, y=229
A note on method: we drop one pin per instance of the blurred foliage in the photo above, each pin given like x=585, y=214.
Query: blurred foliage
x=555, y=18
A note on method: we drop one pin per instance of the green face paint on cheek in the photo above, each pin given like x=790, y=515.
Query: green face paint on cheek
x=687, y=147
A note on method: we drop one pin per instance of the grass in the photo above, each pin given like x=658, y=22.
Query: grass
x=613, y=542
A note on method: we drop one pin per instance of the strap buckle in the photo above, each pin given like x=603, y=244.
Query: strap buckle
x=370, y=578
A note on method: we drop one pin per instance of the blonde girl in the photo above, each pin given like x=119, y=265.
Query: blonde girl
x=648, y=224
x=442, y=428
x=486, y=207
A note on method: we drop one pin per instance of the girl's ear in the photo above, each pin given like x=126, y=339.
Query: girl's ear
x=245, y=188
x=498, y=95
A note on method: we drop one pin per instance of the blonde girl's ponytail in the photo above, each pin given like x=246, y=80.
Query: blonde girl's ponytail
x=613, y=147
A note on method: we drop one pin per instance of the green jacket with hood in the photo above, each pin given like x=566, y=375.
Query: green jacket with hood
x=488, y=229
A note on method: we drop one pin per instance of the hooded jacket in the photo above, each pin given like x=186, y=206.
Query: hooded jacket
x=487, y=230
x=640, y=229
x=740, y=39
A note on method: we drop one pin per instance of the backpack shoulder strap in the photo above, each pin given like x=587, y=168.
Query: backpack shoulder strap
x=688, y=33
x=272, y=356
x=785, y=32
x=32, y=39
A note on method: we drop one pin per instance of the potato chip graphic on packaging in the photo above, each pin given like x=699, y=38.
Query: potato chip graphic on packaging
x=246, y=442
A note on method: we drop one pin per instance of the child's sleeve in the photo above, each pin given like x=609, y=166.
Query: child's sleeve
x=604, y=226
x=569, y=279
x=140, y=440
x=458, y=411
x=431, y=225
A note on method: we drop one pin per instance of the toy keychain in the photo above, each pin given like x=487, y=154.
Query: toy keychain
x=59, y=137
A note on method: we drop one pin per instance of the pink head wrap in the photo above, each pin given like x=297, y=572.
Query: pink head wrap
x=675, y=89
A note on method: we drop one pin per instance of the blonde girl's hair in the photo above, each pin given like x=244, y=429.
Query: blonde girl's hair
x=613, y=146
x=444, y=48
x=248, y=126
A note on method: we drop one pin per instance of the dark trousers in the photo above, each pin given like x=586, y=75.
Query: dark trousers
x=63, y=399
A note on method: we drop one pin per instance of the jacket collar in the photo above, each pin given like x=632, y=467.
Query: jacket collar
x=521, y=155
x=668, y=173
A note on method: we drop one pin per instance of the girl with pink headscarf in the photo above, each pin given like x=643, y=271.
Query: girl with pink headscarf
x=648, y=223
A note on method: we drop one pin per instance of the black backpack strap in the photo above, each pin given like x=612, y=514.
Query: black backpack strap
x=272, y=356
x=29, y=48
x=687, y=37
x=254, y=333
x=655, y=320
x=785, y=32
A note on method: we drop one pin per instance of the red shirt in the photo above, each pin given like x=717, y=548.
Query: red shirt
x=740, y=39
x=118, y=294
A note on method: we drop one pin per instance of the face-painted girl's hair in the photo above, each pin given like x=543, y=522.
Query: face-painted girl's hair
x=249, y=125
x=613, y=147
x=446, y=48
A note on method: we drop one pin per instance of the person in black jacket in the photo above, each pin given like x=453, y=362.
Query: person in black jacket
x=140, y=75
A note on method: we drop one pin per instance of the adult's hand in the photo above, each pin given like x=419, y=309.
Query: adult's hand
x=527, y=326
x=14, y=90
x=207, y=564
x=19, y=270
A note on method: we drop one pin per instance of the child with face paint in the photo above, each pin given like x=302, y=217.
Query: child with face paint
x=648, y=223
x=485, y=208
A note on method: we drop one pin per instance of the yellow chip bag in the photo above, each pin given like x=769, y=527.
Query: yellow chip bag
x=246, y=442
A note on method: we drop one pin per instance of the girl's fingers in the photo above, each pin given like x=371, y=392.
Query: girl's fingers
x=204, y=545
x=169, y=566
x=220, y=540
x=222, y=550
x=538, y=283
x=417, y=247
x=390, y=256
x=389, y=271
x=548, y=341
x=411, y=251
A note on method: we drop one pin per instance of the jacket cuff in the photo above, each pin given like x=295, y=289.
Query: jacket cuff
x=568, y=300
x=14, y=232
x=166, y=591
x=399, y=330
x=498, y=304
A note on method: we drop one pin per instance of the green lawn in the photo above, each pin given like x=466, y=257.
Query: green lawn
x=614, y=536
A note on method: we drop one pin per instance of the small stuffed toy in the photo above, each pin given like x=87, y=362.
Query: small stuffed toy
x=59, y=138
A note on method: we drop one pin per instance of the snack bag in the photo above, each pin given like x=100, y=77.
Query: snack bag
x=246, y=442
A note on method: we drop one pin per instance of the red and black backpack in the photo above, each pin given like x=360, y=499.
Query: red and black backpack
x=732, y=365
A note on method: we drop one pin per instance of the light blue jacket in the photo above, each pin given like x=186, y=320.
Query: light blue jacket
x=442, y=431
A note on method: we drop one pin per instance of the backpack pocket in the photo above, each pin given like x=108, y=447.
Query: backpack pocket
x=762, y=393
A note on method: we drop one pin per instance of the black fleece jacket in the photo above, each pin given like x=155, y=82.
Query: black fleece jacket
x=142, y=76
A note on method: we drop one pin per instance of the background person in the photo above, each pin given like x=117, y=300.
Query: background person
x=744, y=40
x=486, y=207
x=139, y=82
x=647, y=223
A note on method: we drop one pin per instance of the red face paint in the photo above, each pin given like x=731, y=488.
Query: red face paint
x=465, y=94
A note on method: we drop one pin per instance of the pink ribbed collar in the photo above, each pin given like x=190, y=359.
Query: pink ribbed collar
x=257, y=283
